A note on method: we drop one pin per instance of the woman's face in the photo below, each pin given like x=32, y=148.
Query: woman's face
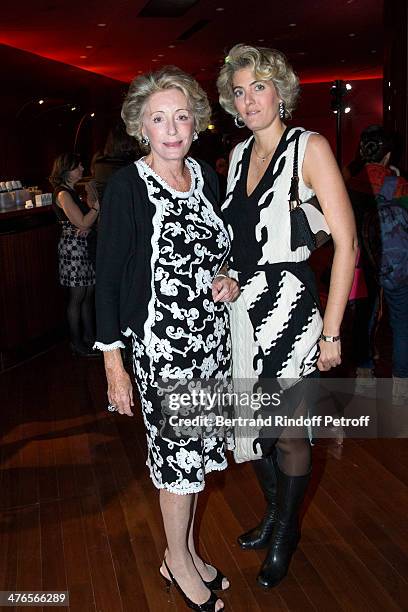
x=257, y=102
x=75, y=175
x=169, y=124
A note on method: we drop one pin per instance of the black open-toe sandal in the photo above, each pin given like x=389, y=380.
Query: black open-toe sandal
x=207, y=606
x=216, y=583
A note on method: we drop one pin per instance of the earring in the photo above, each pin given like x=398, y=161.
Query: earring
x=195, y=136
x=239, y=122
x=282, y=110
x=145, y=141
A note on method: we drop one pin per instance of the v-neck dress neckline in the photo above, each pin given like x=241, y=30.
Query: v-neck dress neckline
x=272, y=161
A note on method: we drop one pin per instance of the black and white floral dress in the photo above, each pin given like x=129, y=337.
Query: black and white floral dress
x=186, y=334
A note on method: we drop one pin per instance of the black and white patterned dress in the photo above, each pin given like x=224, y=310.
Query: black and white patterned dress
x=75, y=266
x=186, y=335
x=277, y=315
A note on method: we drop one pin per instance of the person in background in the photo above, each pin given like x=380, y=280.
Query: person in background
x=76, y=271
x=120, y=150
x=221, y=168
x=277, y=331
x=161, y=248
x=367, y=180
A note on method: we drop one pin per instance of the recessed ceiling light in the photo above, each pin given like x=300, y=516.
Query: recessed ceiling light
x=101, y=25
x=220, y=8
x=73, y=108
x=348, y=86
x=41, y=101
x=155, y=60
x=202, y=69
x=342, y=61
x=302, y=53
x=347, y=109
x=373, y=50
x=352, y=34
x=292, y=25
x=89, y=47
x=83, y=56
x=172, y=46
x=160, y=55
x=92, y=114
x=261, y=39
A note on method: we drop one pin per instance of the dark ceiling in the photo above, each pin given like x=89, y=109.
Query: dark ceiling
x=324, y=39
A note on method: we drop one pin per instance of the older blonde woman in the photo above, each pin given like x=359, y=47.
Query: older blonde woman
x=278, y=310
x=161, y=246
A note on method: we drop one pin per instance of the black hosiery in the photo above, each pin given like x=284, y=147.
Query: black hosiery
x=294, y=455
x=75, y=299
x=77, y=296
x=88, y=315
x=293, y=449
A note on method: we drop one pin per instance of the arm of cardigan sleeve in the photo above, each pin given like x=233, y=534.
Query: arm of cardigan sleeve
x=116, y=238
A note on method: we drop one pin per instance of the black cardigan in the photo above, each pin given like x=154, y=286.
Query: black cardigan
x=123, y=263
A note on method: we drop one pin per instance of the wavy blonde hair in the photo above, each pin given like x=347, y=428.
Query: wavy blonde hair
x=168, y=77
x=267, y=65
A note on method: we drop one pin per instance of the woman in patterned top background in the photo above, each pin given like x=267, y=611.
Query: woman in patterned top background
x=76, y=270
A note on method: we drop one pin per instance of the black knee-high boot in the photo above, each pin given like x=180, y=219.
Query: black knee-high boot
x=259, y=536
x=286, y=532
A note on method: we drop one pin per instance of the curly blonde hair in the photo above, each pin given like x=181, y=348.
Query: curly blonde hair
x=168, y=77
x=267, y=65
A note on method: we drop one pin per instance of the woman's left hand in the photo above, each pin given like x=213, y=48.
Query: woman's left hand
x=330, y=355
x=224, y=289
x=91, y=194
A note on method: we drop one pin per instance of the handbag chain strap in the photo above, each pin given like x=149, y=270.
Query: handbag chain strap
x=294, y=200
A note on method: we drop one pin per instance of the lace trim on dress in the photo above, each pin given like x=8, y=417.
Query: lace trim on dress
x=108, y=347
x=144, y=171
x=193, y=487
x=179, y=194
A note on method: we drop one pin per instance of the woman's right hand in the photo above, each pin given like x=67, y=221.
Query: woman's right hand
x=120, y=389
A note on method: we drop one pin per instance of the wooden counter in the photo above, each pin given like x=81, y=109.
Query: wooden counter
x=31, y=299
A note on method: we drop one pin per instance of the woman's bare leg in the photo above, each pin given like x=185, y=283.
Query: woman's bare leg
x=177, y=514
x=207, y=572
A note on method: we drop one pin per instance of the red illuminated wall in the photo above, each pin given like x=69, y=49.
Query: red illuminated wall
x=29, y=144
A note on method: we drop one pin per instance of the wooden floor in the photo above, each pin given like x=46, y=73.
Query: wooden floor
x=78, y=511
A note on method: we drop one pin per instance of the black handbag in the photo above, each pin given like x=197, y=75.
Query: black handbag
x=308, y=225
